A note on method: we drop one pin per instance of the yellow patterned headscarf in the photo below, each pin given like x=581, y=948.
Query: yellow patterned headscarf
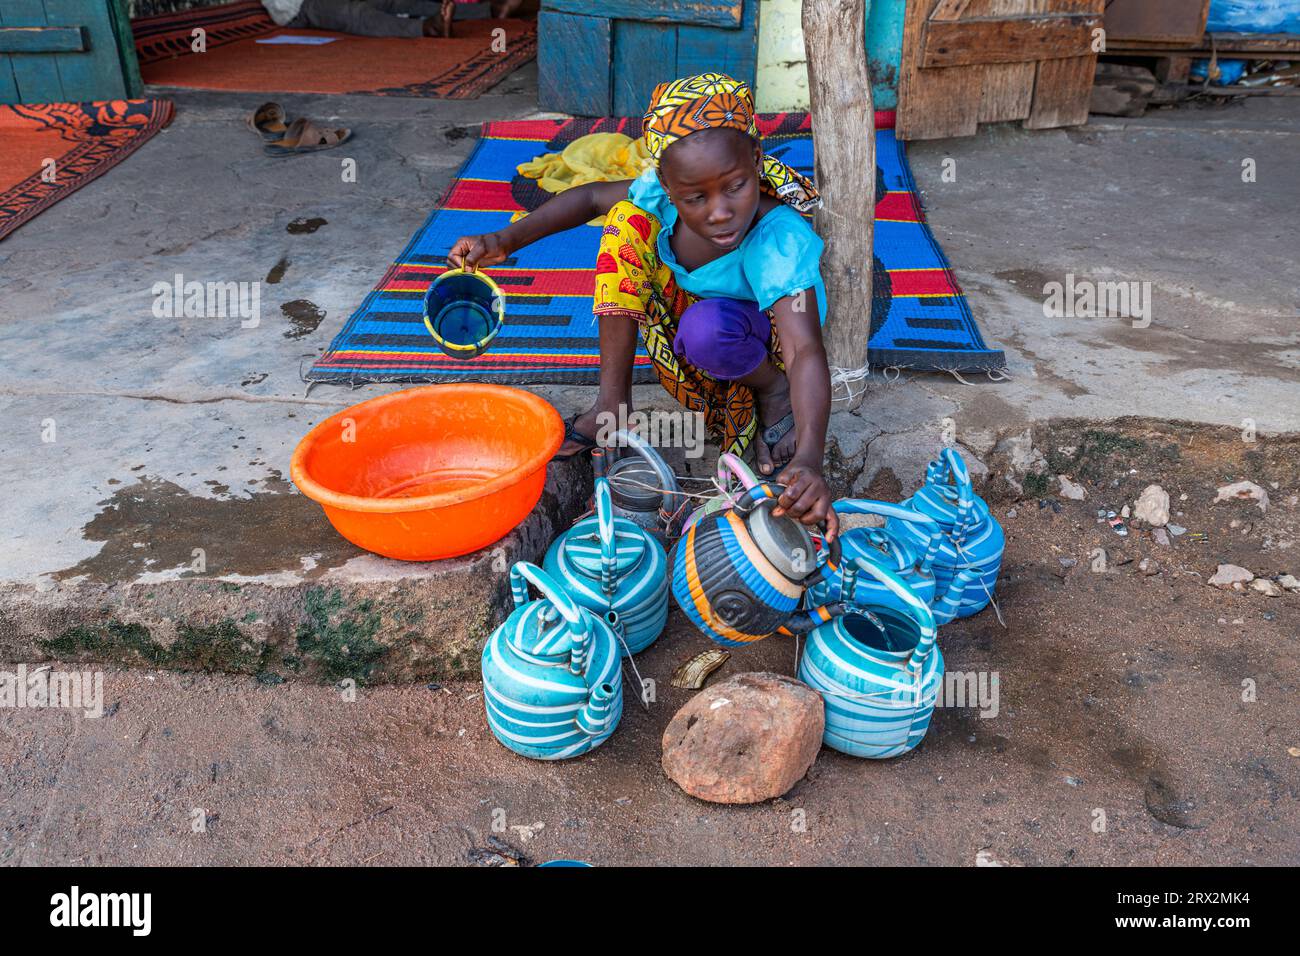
x=716, y=101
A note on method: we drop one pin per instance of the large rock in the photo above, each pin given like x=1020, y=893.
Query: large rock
x=1152, y=506
x=1071, y=489
x=747, y=739
x=1231, y=577
x=1243, y=491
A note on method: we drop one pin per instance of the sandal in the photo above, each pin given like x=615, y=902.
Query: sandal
x=773, y=434
x=571, y=434
x=268, y=121
x=304, y=136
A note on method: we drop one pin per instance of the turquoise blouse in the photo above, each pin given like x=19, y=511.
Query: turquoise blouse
x=779, y=256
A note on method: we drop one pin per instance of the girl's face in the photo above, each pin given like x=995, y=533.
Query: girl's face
x=712, y=178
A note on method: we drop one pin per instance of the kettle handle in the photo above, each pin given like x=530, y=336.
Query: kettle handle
x=869, y=506
x=801, y=622
x=523, y=574
x=921, y=612
x=730, y=466
x=672, y=492
x=608, y=540
x=767, y=493
x=955, y=466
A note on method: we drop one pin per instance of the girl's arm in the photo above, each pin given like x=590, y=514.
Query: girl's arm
x=807, y=497
x=563, y=211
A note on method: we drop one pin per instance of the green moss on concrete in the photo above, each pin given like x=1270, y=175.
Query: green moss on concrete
x=108, y=641
x=202, y=647
x=340, y=638
x=217, y=647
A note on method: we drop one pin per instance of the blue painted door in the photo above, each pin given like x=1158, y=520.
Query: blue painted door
x=605, y=57
x=54, y=51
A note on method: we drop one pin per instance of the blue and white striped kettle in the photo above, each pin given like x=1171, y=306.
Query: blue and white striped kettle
x=877, y=667
x=972, y=538
x=608, y=563
x=552, y=674
x=911, y=559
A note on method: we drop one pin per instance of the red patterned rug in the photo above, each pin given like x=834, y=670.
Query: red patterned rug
x=476, y=58
x=53, y=149
x=169, y=35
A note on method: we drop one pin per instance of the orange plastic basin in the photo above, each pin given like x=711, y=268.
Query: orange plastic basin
x=431, y=472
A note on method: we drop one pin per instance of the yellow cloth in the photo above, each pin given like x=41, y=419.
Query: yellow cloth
x=594, y=158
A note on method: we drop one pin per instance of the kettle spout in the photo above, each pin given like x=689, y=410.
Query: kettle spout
x=945, y=608
x=594, y=717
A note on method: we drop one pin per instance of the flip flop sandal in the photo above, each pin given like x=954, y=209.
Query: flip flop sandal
x=585, y=443
x=268, y=121
x=778, y=430
x=304, y=136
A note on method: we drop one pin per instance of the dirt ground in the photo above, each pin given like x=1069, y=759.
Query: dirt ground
x=1141, y=717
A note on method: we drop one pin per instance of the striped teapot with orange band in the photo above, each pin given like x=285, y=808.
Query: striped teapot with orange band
x=740, y=574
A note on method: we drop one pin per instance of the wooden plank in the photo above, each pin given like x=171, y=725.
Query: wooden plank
x=716, y=13
x=645, y=55
x=1008, y=88
x=96, y=75
x=949, y=9
x=734, y=52
x=36, y=77
x=1061, y=93
x=1266, y=45
x=1063, y=87
x=8, y=85
x=1174, y=69
x=1173, y=74
x=574, y=62
x=119, y=15
x=1007, y=40
x=933, y=103
x=1177, y=21
x=42, y=40
x=1007, y=92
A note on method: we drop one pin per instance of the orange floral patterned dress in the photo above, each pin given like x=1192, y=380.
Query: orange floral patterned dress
x=630, y=279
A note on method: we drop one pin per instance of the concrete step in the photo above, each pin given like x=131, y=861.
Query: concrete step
x=339, y=614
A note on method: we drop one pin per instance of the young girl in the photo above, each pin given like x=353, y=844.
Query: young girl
x=707, y=255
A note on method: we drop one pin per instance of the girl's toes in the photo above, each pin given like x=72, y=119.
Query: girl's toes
x=784, y=449
x=764, y=455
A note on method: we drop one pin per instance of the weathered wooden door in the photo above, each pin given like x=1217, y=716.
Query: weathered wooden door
x=55, y=51
x=967, y=62
x=604, y=57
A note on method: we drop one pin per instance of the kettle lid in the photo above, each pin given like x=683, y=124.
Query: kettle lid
x=582, y=547
x=784, y=542
x=633, y=483
x=540, y=631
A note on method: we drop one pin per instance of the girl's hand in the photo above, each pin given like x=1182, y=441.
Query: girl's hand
x=807, y=498
x=471, y=252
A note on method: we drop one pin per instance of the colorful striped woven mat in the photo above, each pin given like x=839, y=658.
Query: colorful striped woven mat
x=920, y=318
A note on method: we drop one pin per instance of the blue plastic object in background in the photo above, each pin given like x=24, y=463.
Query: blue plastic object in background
x=1254, y=16
x=1229, y=71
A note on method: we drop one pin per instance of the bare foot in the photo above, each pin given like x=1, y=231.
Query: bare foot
x=441, y=25
x=773, y=405
x=505, y=8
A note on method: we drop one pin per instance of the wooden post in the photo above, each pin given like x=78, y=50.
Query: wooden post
x=844, y=138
